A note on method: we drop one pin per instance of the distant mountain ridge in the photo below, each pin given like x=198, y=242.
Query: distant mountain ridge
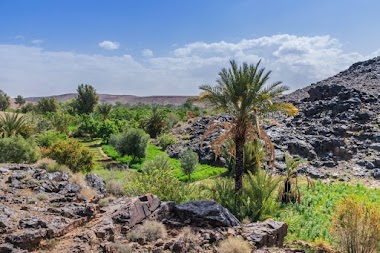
x=123, y=99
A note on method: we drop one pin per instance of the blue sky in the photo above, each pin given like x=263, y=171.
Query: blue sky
x=171, y=47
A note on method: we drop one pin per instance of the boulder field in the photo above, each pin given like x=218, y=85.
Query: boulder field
x=54, y=212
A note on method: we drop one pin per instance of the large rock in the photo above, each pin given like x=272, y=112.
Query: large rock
x=95, y=181
x=205, y=213
x=131, y=211
x=268, y=233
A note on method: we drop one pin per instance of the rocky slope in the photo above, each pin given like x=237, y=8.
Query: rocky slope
x=54, y=212
x=337, y=129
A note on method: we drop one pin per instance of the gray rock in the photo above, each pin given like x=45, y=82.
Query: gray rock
x=205, y=213
x=268, y=233
x=95, y=181
x=33, y=223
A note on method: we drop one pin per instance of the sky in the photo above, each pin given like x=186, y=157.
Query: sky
x=170, y=47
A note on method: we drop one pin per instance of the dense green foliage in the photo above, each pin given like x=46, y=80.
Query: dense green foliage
x=157, y=178
x=310, y=220
x=47, y=138
x=20, y=100
x=202, y=171
x=133, y=143
x=155, y=122
x=188, y=160
x=16, y=149
x=165, y=140
x=104, y=110
x=4, y=101
x=46, y=105
x=86, y=100
x=71, y=153
x=257, y=199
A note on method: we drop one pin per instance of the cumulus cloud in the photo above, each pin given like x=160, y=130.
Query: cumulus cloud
x=109, y=45
x=297, y=61
x=147, y=53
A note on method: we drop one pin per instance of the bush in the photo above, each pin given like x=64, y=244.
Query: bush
x=115, y=188
x=133, y=142
x=158, y=179
x=149, y=231
x=165, y=140
x=121, y=248
x=47, y=138
x=234, y=245
x=356, y=225
x=73, y=154
x=256, y=200
x=189, y=161
x=16, y=149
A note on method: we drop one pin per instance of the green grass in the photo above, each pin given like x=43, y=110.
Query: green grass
x=311, y=219
x=202, y=171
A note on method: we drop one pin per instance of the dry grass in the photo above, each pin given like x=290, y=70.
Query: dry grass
x=234, y=245
x=106, y=201
x=78, y=179
x=149, y=231
x=115, y=188
x=88, y=192
x=356, y=225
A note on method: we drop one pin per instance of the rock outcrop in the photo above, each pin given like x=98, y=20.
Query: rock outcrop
x=39, y=209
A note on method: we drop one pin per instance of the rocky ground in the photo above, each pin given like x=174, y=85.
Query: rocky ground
x=337, y=129
x=57, y=212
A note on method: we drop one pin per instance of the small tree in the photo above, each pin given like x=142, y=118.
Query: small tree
x=133, y=142
x=189, y=161
x=46, y=105
x=104, y=110
x=86, y=100
x=155, y=122
x=4, y=101
x=20, y=100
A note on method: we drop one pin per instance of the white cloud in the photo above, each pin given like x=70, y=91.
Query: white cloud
x=109, y=45
x=147, y=53
x=297, y=61
x=37, y=42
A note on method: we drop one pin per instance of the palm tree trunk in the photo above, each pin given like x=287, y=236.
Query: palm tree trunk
x=239, y=168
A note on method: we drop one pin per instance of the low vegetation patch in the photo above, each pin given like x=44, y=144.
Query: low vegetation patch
x=149, y=231
x=202, y=171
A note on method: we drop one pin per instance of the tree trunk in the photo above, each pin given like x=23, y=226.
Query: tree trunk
x=239, y=168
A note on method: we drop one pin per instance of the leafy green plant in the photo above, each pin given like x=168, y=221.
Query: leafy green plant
x=289, y=192
x=47, y=138
x=189, y=161
x=4, y=101
x=86, y=100
x=165, y=140
x=133, y=142
x=16, y=149
x=155, y=122
x=46, y=105
x=157, y=178
x=12, y=124
x=256, y=201
x=104, y=110
x=71, y=153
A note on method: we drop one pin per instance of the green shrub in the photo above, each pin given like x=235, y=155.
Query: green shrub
x=256, y=200
x=165, y=140
x=133, y=142
x=106, y=129
x=73, y=154
x=16, y=149
x=189, y=161
x=157, y=178
x=356, y=225
x=47, y=138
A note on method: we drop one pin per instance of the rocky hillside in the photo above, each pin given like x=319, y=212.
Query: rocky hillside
x=363, y=76
x=124, y=99
x=57, y=212
x=337, y=129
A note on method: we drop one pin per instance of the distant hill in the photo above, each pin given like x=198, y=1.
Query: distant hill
x=363, y=76
x=124, y=99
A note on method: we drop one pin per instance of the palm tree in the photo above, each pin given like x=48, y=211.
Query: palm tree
x=12, y=124
x=242, y=91
x=287, y=193
x=104, y=110
x=155, y=122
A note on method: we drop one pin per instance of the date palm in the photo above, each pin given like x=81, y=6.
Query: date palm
x=12, y=124
x=243, y=92
x=104, y=110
